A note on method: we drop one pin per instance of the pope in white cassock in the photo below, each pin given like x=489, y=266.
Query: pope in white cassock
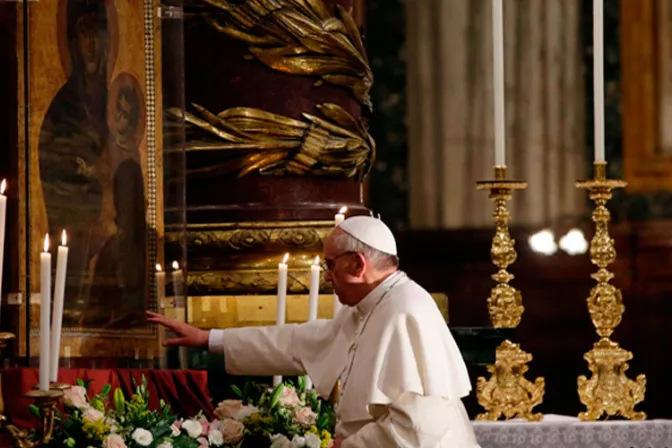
x=402, y=375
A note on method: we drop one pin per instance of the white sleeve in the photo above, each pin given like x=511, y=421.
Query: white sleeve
x=415, y=421
x=216, y=341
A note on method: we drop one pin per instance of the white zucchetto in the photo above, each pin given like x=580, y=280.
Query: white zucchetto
x=371, y=231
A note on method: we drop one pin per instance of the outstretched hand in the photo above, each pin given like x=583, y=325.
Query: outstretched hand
x=187, y=335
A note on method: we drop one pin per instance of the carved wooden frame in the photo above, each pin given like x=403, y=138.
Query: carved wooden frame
x=646, y=169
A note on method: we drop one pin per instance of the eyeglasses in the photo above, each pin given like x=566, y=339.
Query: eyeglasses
x=328, y=264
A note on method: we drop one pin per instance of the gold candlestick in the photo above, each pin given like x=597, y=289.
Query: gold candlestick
x=608, y=391
x=46, y=402
x=507, y=393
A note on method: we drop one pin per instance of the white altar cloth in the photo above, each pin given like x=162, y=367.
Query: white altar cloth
x=557, y=431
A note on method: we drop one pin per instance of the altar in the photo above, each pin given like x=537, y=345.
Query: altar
x=560, y=431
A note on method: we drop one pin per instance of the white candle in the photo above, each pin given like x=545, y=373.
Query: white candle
x=3, y=219
x=498, y=81
x=45, y=303
x=314, y=294
x=160, y=287
x=598, y=77
x=57, y=318
x=178, y=285
x=281, y=308
x=340, y=216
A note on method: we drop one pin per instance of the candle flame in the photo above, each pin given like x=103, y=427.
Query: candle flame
x=3, y=186
x=158, y=267
x=64, y=238
x=46, y=242
x=285, y=258
x=343, y=210
x=176, y=265
x=317, y=261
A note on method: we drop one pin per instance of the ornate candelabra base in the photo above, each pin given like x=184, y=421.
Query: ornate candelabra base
x=608, y=392
x=507, y=393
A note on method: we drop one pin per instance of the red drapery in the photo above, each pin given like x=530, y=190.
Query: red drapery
x=186, y=391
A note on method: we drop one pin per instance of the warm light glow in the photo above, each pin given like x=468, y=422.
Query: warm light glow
x=176, y=265
x=285, y=258
x=317, y=261
x=64, y=238
x=343, y=210
x=3, y=186
x=46, y=242
x=543, y=242
x=574, y=243
x=158, y=267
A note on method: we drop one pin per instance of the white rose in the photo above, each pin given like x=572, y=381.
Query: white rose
x=312, y=441
x=142, y=437
x=215, y=437
x=166, y=444
x=245, y=412
x=114, y=441
x=193, y=428
x=76, y=397
x=280, y=441
x=298, y=442
x=305, y=416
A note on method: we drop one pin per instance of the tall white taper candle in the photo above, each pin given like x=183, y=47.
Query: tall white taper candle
x=313, y=300
x=598, y=77
x=57, y=318
x=3, y=219
x=339, y=218
x=45, y=311
x=498, y=81
x=281, y=309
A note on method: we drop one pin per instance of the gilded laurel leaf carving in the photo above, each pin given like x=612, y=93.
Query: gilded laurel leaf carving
x=253, y=140
x=300, y=37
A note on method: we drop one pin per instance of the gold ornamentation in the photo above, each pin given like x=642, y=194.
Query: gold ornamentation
x=256, y=141
x=507, y=393
x=242, y=258
x=608, y=392
x=300, y=37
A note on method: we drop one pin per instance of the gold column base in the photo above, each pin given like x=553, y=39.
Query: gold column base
x=608, y=392
x=507, y=393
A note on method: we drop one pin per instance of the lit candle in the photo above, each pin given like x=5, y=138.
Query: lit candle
x=281, y=308
x=3, y=214
x=340, y=216
x=498, y=81
x=45, y=303
x=178, y=285
x=57, y=319
x=598, y=77
x=160, y=287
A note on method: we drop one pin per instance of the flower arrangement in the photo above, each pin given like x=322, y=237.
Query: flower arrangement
x=282, y=417
x=99, y=422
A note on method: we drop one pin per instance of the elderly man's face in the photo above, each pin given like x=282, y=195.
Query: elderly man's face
x=343, y=270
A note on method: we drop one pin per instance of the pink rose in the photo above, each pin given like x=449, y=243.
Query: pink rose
x=232, y=431
x=205, y=425
x=114, y=441
x=305, y=416
x=75, y=397
x=93, y=415
x=203, y=441
x=289, y=397
x=228, y=409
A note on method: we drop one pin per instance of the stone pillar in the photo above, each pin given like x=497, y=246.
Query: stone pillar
x=288, y=150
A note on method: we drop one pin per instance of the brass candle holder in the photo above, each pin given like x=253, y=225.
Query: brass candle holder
x=46, y=402
x=507, y=393
x=608, y=391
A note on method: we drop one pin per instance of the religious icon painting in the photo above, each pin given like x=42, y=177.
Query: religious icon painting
x=92, y=162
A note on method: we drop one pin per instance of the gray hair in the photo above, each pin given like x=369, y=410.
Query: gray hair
x=379, y=260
